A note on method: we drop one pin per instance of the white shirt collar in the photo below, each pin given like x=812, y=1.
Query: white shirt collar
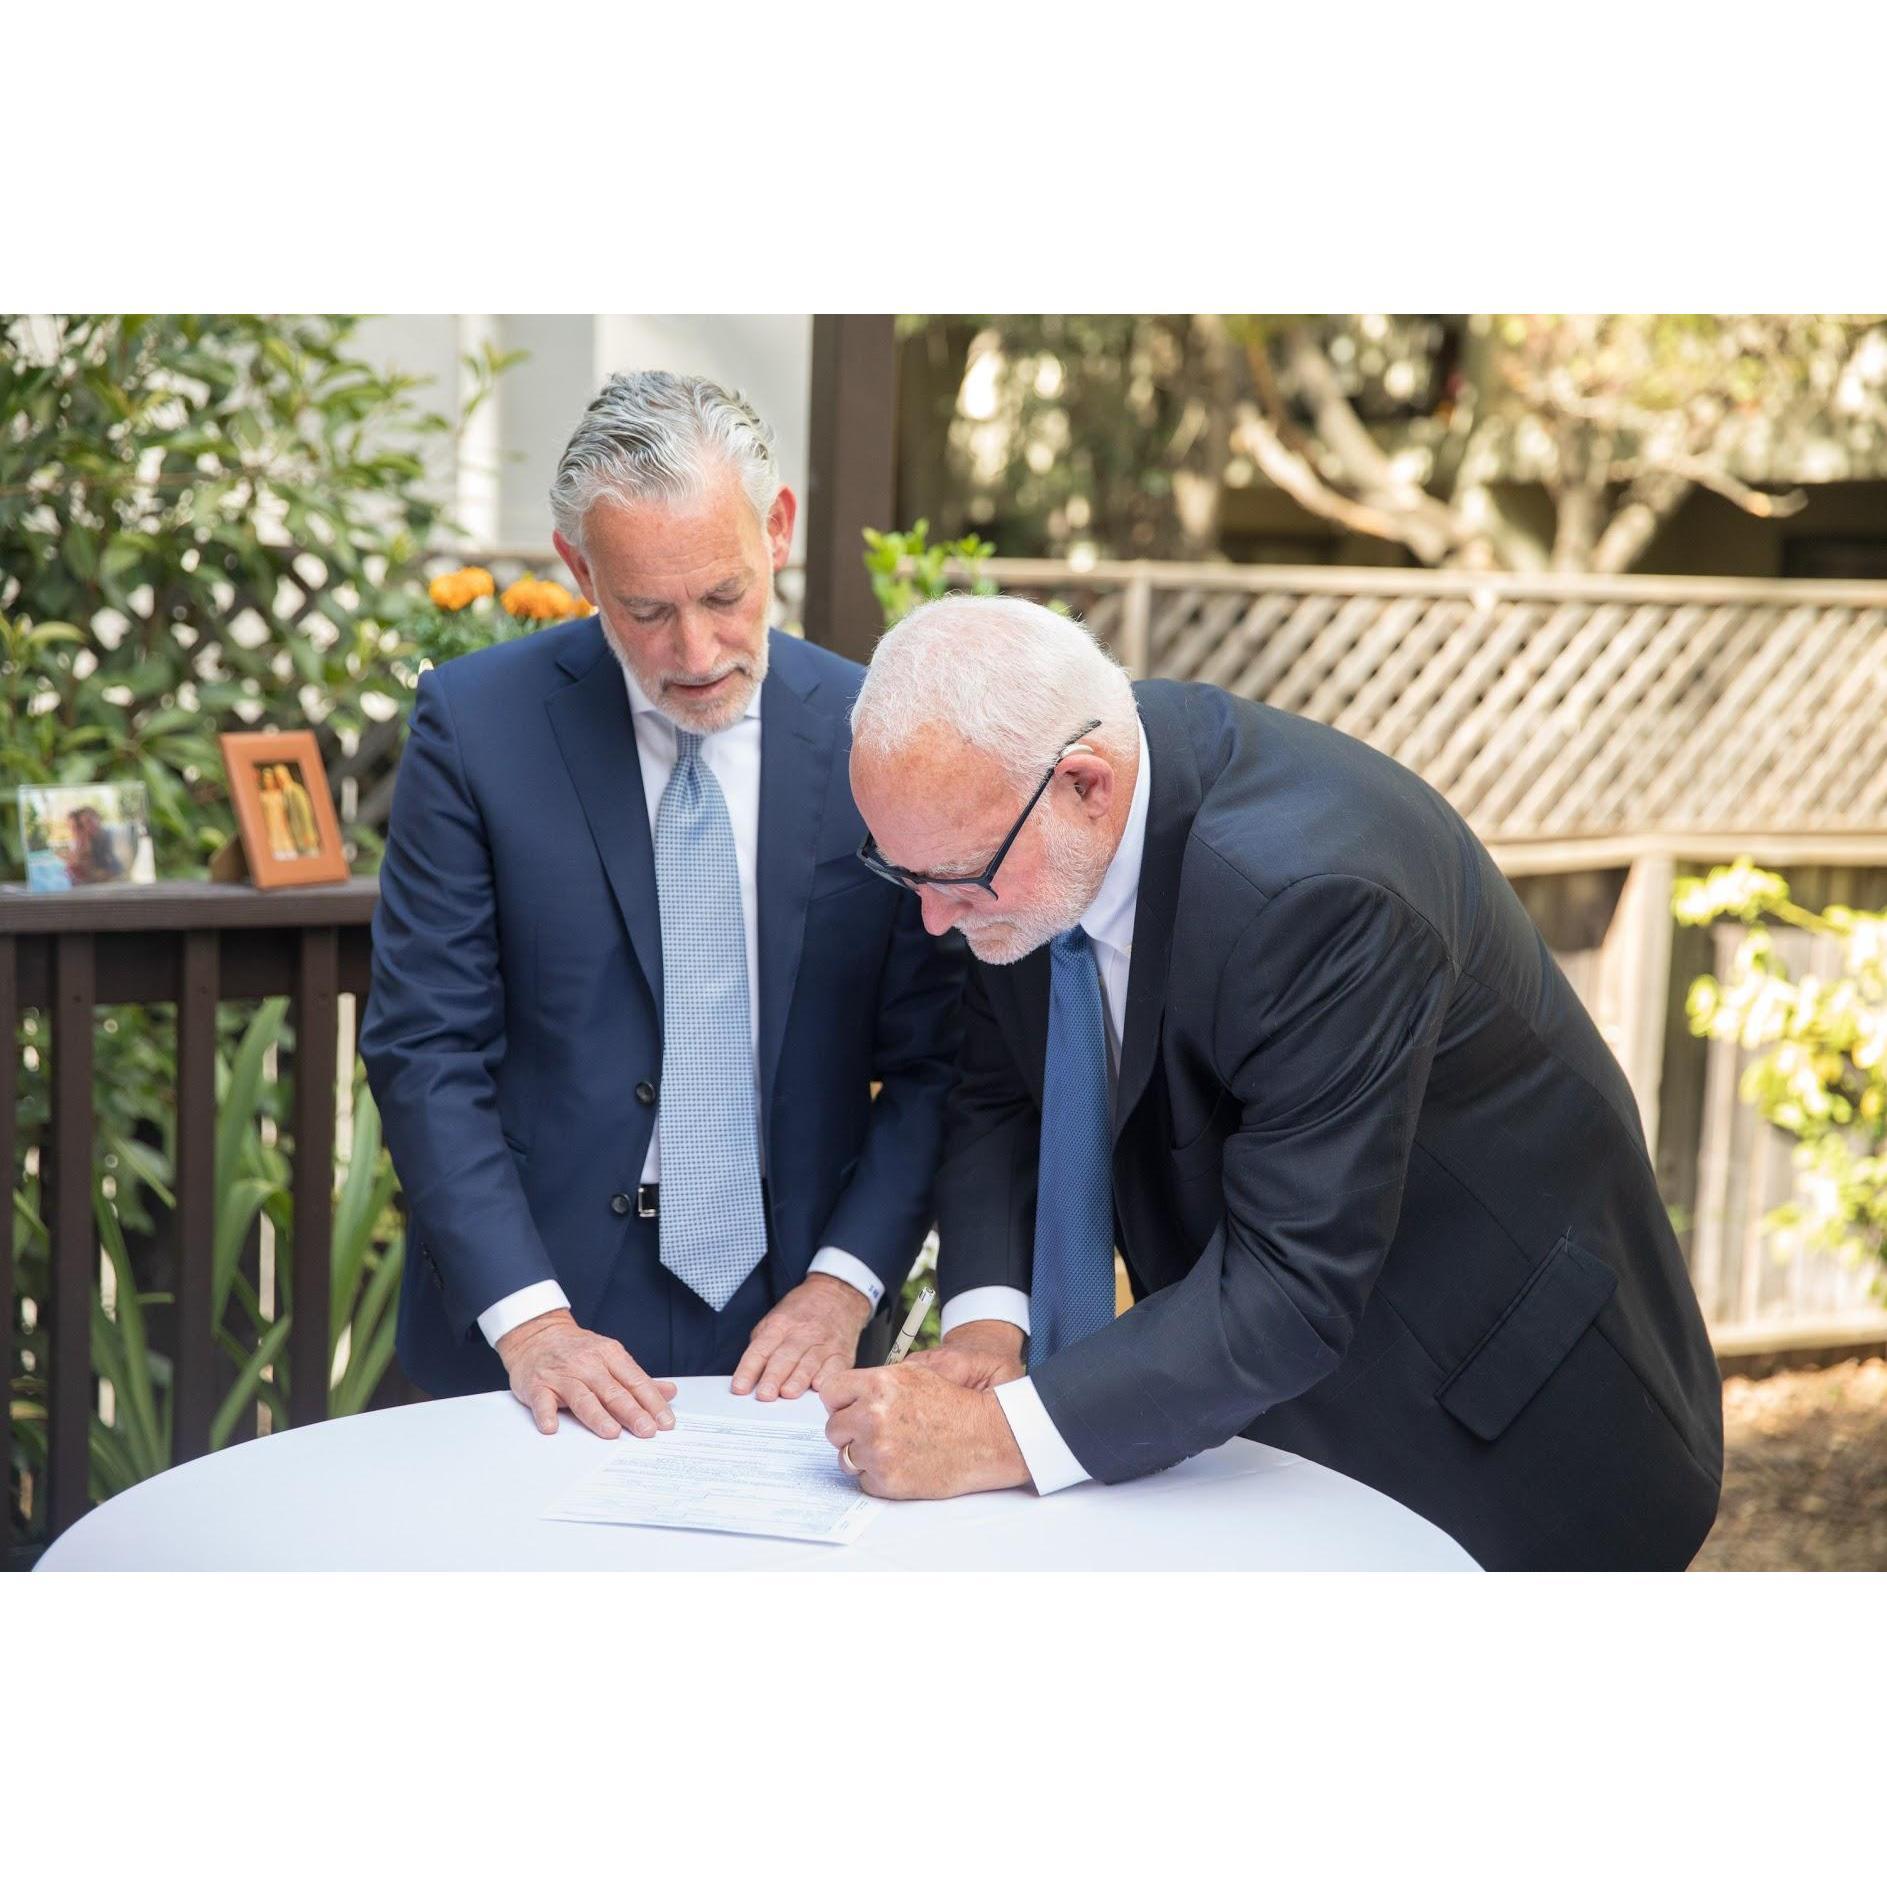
x=640, y=703
x=1110, y=918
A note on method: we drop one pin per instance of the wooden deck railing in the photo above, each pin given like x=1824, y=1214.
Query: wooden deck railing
x=65, y=954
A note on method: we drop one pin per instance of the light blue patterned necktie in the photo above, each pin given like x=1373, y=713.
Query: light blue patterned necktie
x=713, y=1225
x=1071, y=1292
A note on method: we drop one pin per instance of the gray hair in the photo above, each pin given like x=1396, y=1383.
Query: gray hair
x=658, y=438
x=1005, y=675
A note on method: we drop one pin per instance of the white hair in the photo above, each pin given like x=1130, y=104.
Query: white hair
x=659, y=437
x=1007, y=676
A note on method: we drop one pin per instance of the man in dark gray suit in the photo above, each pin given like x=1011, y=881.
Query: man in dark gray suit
x=1294, y=1046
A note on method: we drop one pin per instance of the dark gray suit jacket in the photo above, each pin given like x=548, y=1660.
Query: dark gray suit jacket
x=1381, y=1189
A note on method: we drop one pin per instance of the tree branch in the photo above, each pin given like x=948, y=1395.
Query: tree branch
x=1392, y=510
x=1651, y=499
x=1498, y=542
x=1364, y=462
x=1293, y=474
x=1758, y=504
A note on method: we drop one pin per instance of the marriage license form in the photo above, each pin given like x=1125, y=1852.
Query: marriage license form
x=728, y=1475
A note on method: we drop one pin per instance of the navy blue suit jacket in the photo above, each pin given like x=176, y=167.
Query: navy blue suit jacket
x=513, y=1034
x=1381, y=1188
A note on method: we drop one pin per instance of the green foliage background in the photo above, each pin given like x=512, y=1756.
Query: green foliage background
x=159, y=475
x=207, y=523
x=1819, y=1043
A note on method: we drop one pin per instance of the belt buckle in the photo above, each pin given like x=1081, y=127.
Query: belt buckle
x=647, y=1203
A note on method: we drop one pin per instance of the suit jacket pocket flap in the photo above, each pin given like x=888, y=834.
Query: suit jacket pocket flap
x=1529, y=1340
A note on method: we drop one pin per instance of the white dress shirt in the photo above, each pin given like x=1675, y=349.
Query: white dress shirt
x=733, y=756
x=1109, y=922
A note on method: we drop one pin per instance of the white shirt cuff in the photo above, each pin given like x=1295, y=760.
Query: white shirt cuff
x=848, y=1270
x=520, y=1307
x=999, y=1301
x=1050, y=1462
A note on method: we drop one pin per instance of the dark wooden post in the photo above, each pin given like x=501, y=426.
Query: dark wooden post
x=67, y=1198
x=9, y=1096
x=317, y=986
x=193, y=1399
x=851, y=475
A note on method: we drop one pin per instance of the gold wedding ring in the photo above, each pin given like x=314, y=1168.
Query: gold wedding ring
x=851, y=1466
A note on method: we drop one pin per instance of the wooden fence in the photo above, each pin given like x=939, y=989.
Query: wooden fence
x=1543, y=707
x=1721, y=1168
x=191, y=945
x=1602, y=735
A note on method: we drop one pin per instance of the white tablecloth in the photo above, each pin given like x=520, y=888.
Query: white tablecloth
x=463, y=1484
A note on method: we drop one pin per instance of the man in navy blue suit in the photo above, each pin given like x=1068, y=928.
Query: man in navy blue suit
x=662, y=1065
x=1255, y=1007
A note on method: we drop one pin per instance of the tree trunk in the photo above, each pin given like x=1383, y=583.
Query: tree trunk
x=1649, y=501
x=1199, y=477
x=1579, y=511
x=1581, y=495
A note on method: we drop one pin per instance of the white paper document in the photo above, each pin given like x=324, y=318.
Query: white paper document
x=728, y=1476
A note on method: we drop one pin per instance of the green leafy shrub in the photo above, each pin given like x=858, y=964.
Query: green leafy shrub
x=366, y=1254
x=906, y=568
x=1820, y=1072
x=203, y=519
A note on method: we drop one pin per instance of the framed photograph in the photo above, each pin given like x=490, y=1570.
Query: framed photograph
x=76, y=836
x=284, y=811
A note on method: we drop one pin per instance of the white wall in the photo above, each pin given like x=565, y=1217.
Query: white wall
x=497, y=478
x=427, y=347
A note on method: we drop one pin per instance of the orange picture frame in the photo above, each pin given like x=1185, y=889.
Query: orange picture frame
x=284, y=810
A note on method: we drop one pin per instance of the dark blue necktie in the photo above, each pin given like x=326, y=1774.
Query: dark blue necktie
x=1072, y=1290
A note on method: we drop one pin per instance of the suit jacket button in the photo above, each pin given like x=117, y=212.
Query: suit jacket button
x=619, y=1204
x=645, y=1093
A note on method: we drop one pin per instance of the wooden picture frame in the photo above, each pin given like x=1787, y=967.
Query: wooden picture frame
x=284, y=810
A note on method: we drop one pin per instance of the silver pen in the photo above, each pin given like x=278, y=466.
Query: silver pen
x=912, y=1325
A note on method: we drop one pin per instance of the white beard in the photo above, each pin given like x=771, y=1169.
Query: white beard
x=1073, y=882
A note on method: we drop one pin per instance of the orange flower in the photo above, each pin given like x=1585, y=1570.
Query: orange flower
x=458, y=587
x=542, y=601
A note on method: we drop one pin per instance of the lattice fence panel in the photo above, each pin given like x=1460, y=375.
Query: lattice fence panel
x=1542, y=710
x=1583, y=709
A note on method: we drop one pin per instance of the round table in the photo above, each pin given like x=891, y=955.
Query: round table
x=463, y=1484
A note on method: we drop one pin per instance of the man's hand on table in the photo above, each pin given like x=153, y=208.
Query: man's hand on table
x=555, y=1363
x=810, y=1333
x=976, y=1355
x=915, y=1434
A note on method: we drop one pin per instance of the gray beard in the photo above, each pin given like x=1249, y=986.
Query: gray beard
x=714, y=722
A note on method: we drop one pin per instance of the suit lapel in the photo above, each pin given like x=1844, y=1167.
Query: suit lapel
x=796, y=754
x=1170, y=811
x=596, y=731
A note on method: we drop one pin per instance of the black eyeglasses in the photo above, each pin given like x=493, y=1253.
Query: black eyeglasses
x=870, y=856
